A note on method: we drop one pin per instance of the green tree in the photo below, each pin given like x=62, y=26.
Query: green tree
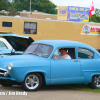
x=41, y=5
x=12, y=12
x=8, y=6
x=96, y=16
x=3, y=5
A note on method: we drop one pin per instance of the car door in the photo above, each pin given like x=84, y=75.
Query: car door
x=90, y=63
x=65, y=71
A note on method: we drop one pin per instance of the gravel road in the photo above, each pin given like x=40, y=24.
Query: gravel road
x=46, y=93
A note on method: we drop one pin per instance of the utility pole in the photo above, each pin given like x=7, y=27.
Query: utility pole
x=30, y=8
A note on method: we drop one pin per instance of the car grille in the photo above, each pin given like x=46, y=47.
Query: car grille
x=4, y=73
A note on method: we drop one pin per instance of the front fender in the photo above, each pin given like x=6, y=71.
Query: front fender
x=47, y=78
x=22, y=68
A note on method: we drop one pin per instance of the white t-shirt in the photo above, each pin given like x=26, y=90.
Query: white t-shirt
x=65, y=57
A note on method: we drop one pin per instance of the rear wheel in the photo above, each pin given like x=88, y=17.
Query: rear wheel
x=95, y=82
x=32, y=82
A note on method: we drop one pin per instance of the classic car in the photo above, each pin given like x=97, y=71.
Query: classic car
x=13, y=43
x=40, y=65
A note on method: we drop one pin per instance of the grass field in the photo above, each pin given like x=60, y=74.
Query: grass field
x=80, y=87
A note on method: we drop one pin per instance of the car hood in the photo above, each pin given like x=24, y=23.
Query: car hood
x=20, y=59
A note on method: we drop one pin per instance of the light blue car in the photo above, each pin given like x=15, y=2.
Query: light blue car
x=40, y=64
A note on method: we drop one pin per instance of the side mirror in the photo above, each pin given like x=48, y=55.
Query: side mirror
x=13, y=52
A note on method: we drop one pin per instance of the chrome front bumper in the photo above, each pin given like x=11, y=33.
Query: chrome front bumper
x=4, y=73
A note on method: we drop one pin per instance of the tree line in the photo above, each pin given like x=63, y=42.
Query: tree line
x=45, y=6
x=96, y=16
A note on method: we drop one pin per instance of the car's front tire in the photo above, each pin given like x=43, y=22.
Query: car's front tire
x=95, y=82
x=32, y=82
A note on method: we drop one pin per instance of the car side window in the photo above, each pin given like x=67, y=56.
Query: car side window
x=2, y=45
x=69, y=53
x=85, y=54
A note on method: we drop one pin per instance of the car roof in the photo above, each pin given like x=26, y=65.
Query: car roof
x=62, y=43
x=15, y=35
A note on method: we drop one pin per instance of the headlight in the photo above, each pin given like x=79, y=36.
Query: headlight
x=10, y=66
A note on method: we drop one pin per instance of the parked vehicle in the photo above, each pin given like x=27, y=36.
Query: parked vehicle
x=13, y=43
x=40, y=64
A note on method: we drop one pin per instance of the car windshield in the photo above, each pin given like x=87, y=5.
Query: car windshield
x=42, y=50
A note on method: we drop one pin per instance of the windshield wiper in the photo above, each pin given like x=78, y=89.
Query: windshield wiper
x=29, y=53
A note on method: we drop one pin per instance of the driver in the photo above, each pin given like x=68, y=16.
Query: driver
x=64, y=54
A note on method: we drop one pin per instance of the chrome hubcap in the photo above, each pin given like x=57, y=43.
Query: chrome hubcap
x=32, y=81
x=97, y=81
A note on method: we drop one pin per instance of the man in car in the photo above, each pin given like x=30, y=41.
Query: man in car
x=64, y=54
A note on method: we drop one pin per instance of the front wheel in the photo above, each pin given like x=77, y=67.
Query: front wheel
x=32, y=82
x=95, y=82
